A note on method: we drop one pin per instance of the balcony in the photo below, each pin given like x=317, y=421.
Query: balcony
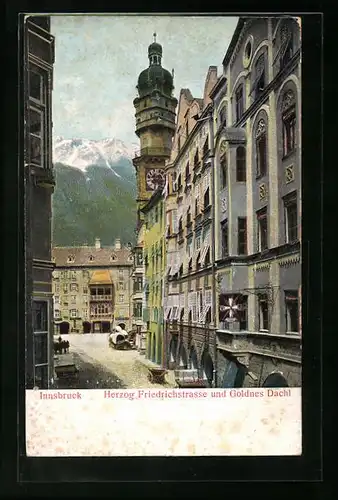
x=152, y=152
x=99, y=298
x=275, y=345
x=101, y=316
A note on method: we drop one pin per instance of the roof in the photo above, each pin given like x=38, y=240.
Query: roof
x=100, y=277
x=91, y=256
x=155, y=197
x=234, y=40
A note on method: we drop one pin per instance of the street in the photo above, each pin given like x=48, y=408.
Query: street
x=102, y=367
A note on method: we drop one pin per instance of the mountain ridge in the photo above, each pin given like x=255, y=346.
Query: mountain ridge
x=95, y=192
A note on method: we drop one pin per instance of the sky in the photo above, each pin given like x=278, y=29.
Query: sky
x=98, y=60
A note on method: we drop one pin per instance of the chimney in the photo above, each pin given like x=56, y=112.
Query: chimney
x=97, y=243
x=117, y=244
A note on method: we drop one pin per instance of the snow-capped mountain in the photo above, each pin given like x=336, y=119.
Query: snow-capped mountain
x=80, y=153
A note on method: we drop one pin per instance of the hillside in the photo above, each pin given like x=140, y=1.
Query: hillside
x=96, y=202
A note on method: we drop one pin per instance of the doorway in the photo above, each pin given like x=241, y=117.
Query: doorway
x=105, y=326
x=86, y=327
x=64, y=328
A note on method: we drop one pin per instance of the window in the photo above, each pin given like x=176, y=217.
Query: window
x=40, y=341
x=65, y=288
x=138, y=309
x=262, y=221
x=85, y=290
x=56, y=299
x=57, y=314
x=261, y=146
x=121, y=298
x=196, y=159
x=291, y=309
x=35, y=85
x=259, y=81
x=223, y=117
x=198, y=242
x=289, y=124
x=223, y=173
x=242, y=236
x=73, y=313
x=206, y=146
x=190, y=265
x=35, y=136
x=73, y=286
x=207, y=258
x=291, y=218
x=240, y=164
x=91, y=258
x=225, y=244
x=179, y=143
x=139, y=258
x=286, y=46
x=239, y=103
x=85, y=312
x=206, y=199
x=243, y=312
x=189, y=221
x=138, y=285
x=186, y=130
x=263, y=312
x=121, y=285
x=198, y=261
x=187, y=172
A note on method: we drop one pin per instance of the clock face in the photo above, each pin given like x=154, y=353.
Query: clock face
x=154, y=178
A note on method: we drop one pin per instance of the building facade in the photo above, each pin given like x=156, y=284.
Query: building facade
x=39, y=184
x=256, y=107
x=92, y=288
x=188, y=302
x=154, y=260
x=139, y=326
x=155, y=115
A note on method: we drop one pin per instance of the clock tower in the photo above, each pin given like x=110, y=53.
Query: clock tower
x=155, y=112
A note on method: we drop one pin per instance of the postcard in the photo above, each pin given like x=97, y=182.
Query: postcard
x=163, y=232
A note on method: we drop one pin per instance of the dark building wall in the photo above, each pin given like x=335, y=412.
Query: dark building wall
x=39, y=183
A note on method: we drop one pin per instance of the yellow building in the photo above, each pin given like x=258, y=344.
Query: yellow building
x=154, y=260
x=92, y=288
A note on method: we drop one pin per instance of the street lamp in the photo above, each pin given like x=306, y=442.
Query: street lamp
x=213, y=228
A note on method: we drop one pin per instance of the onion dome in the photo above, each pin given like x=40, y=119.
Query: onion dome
x=155, y=77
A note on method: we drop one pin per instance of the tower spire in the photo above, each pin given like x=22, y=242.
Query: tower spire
x=154, y=35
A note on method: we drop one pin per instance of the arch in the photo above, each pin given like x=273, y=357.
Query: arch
x=224, y=102
x=241, y=76
x=282, y=20
x=264, y=43
x=64, y=328
x=275, y=379
x=295, y=80
x=86, y=327
x=182, y=359
x=122, y=325
x=256, y=117
x=193, y=360
x=208, y=367
x=105, y=328
x=173, y=349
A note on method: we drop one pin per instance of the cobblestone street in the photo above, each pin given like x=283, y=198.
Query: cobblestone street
x=102, y=367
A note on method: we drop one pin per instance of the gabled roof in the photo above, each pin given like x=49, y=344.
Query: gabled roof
x=91, y=256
